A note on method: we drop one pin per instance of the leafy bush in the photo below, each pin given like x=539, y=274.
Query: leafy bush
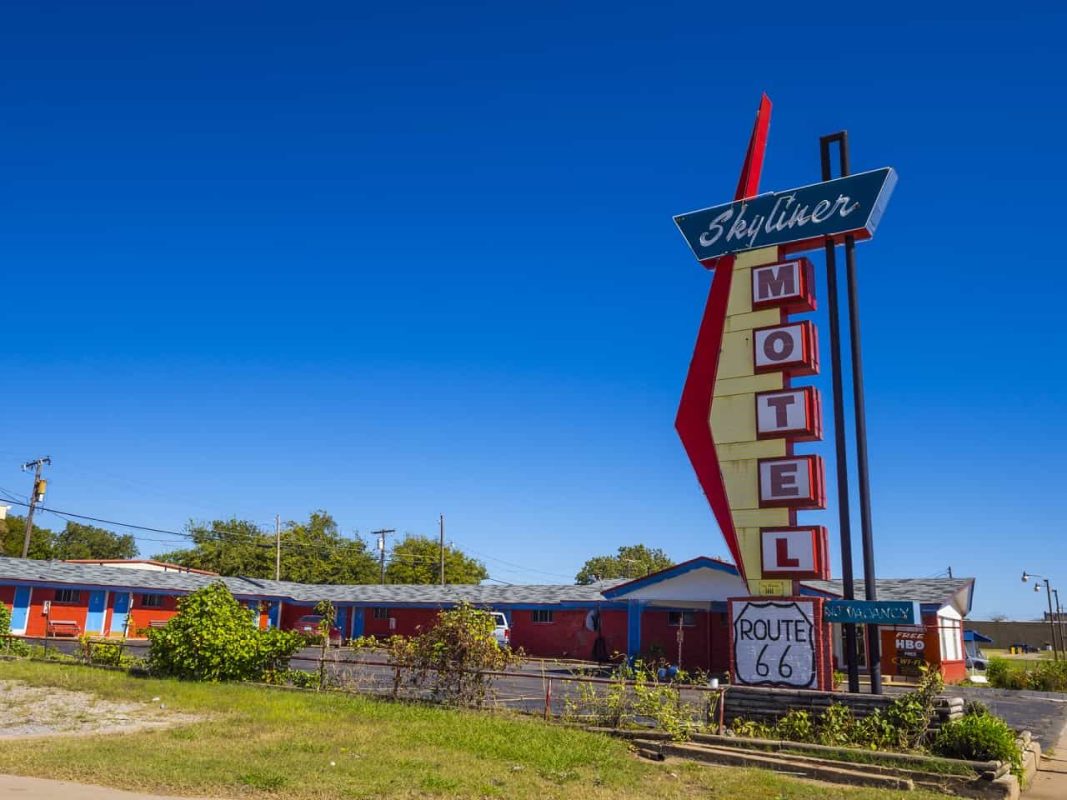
x=1003, y=675
x=453, y=656
x=1041, y=676
x=211, y=638
x=636, y=695
x=8, y=645
x=902, y=725
x=978, y=737
x=102, y=653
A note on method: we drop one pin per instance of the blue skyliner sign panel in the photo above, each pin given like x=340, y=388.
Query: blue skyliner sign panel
x=791, y=219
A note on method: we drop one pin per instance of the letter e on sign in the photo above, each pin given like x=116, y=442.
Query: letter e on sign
x=793, y=482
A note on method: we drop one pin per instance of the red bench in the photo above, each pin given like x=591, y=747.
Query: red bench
x=62, y=627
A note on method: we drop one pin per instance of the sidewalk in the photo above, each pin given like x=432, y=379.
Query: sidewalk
x=41, y=789
x=1050, y=783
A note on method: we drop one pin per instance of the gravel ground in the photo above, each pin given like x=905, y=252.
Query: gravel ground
x=46, y=711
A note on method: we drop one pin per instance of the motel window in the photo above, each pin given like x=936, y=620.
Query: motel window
x=687, y=618
x=542, y=615
x=151, y=601
x=950, y=634
x=381, y=613
x=68, y=595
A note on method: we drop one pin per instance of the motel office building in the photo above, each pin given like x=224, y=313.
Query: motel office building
x=640, y=617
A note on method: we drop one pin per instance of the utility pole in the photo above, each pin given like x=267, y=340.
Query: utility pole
x=277, y=547
x=381, y=550
x=36, y=496
x=441, y=526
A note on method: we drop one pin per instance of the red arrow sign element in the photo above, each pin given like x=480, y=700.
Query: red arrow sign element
x=693, y=421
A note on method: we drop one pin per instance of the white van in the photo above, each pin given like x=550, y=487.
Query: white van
x=502, y=631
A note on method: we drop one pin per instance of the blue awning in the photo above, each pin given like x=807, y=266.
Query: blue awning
x=975, y=636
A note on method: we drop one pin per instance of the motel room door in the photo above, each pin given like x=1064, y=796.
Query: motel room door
x=94, y=621
x=120, y=611
x=20, y=613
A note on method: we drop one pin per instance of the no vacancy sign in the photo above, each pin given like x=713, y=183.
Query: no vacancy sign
x=776, y=642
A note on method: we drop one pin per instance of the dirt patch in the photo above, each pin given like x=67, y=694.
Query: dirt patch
x=48, y=711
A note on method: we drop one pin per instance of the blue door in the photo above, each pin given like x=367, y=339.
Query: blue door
x=357, y=622
x=119, y=612
x=342, y=621
x=273, y=612
x=21, y=612
x=94, y=621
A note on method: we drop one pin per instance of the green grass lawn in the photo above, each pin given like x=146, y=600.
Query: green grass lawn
x=260, y=742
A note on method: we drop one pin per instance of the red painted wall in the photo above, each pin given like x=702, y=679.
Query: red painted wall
x=409, y=621
x=76, y=612
x=695, y=646
x=566, y=636
x=7, y=596
x=719, y=637
x=141, y=616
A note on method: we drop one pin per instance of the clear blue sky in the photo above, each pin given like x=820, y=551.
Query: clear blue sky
x=397, y=260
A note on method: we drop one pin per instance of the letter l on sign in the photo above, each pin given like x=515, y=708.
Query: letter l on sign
x=784, y=560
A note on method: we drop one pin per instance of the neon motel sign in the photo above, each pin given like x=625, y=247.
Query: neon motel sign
x=741, y=414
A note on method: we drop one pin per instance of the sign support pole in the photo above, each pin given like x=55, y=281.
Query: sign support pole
x=843, y=504
x=874, y=649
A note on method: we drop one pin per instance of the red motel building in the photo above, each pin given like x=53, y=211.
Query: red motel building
x=683, y=606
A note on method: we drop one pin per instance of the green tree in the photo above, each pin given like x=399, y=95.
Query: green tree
x=417, y=559
x=632, y=561
x=12, y=533
x=85, y=541
x=312, y=551
x=214, y=638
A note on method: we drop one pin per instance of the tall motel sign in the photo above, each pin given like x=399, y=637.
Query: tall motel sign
x=741, y=414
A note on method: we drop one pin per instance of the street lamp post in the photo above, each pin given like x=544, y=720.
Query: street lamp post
x=1051, y=614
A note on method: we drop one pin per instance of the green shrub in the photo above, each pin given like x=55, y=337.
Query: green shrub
x=903, y=725
x=835, y=726
x=1048, y=676
x=103, y=653
x=211, y=638
x=1003, y=675
x=978, y=737
x=452, y=658
x=8, y=645
x=910, y=715
x=796, y=726
x=752, y=729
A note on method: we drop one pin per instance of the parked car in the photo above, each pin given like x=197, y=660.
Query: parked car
x=502, y=631
x=310, y=626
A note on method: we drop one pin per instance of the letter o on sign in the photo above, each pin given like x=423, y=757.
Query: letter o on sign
x=783, y=347
x=779, y=346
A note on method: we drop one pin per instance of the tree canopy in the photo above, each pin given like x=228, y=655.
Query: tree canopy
x=417, y=559
x=74, y=541
x=313, y=551
x=632, y=561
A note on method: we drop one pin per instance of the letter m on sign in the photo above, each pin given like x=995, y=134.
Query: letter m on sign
x=788, y=285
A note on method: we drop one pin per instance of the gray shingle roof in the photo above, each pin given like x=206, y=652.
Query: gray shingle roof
x=941, y=591
x=152, y=580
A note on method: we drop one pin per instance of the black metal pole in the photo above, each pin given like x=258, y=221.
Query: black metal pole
x=874, y=648
x=843, y=502
x=1052, y=621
